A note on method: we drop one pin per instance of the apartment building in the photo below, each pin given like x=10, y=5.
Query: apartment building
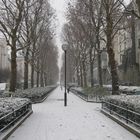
x=127, y=51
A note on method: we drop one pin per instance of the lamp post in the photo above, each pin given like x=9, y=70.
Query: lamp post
x=64, y=47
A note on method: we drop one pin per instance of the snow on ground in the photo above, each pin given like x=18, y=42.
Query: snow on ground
x=78, y=121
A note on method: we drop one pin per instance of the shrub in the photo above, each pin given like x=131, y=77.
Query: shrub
x=33, y=94
x=99, y=91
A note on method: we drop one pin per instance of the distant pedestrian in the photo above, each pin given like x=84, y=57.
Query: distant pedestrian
x=68, y=89
x=61, y=87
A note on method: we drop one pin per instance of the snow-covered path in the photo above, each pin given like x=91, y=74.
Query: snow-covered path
x=78, y=121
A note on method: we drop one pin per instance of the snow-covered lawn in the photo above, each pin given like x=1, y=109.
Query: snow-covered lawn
x=78, y=121
x=7, y=105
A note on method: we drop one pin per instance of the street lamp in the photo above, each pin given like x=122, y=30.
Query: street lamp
x=65, y=47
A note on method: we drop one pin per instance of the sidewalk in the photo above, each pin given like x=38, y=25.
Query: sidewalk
x=78, y=121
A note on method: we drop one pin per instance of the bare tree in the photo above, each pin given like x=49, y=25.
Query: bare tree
x=83, y=30
x=94, y=8
x=77, y=53
x=112, y=17
x=10, y=25
x=39, y=21
x=138, y=4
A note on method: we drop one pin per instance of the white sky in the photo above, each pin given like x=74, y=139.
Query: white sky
x=60, y=7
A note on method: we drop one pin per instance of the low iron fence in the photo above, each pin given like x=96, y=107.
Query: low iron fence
x=38, y=99
x=79, y=93
x=88, y=97
x=127, y=114
x=11, y=118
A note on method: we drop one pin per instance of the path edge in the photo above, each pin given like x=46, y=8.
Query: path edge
x=122, y=123
x=10, y=131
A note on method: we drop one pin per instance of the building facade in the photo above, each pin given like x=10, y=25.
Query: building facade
x=4, y=56
x=126, y=45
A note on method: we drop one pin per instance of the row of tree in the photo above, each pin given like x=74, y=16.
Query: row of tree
x=27, y=28
x=92, y=23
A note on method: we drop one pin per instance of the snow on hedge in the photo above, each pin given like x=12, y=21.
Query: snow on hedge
x=33, y=93
x=94, y=94
x=7, y=105
x=97, y=91
x=130, y=101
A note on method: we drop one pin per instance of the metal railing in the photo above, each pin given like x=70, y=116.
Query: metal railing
x=88, y=97
x=79, y=93
x=127, y=114
x=12, y=117
x=38, y=99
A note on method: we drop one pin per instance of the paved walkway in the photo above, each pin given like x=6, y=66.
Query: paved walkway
x=78, y=121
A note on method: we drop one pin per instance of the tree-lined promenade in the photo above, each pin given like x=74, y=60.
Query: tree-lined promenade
x=28, y=27
x=92, y=39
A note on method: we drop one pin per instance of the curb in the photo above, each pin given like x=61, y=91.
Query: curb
x=122, y=123
x=5, y=135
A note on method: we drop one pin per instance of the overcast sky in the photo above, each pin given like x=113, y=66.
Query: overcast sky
x=60, y=7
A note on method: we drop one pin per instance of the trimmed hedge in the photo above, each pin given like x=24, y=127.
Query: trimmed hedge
x=128, y=102
x=95, y=94
x=7, y=105
x=34, y=94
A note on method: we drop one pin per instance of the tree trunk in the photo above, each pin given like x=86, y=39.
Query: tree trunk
x=91, y=69
x=99, y=63
x=32, y=68
x=138, y=4
x=111, y=55
x=45, y=79
x=84, y=74
x=37, y=78
x=133, y=39
x=26, y=69
x=114, y=75
x=32, y=75
x=41, y=77
x=100, y=70
x=78, y=78
x=81, y=76
x=13, y=79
